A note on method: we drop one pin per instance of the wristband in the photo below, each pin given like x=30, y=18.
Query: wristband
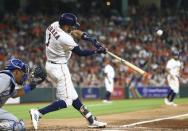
x=27, y=88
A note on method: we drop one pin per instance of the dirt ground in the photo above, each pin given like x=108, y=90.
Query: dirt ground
x=116, y=121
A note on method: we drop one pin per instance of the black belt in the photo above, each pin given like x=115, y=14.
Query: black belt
x=55, y=62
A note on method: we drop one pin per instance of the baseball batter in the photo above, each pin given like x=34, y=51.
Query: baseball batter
x=15, y=73
x=173, y=69
x=109, y=80
x=59, y=46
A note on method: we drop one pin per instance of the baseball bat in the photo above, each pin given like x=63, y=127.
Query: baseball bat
x=132, y=66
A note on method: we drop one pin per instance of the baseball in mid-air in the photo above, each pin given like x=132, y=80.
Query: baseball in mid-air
x=159, y=32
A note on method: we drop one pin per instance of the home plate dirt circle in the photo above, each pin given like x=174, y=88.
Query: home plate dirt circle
x=161, y=119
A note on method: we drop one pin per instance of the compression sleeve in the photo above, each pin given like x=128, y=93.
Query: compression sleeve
x=80, y=52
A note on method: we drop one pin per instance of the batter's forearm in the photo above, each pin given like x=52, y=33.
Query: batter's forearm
x=80, y=52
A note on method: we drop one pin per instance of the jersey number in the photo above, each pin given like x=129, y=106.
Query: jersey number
x=47, y=44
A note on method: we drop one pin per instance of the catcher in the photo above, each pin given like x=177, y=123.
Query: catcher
x=16, y=73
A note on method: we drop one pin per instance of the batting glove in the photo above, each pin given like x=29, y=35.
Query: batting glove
x=96, y=44
x=94, y=41
x=101, y=50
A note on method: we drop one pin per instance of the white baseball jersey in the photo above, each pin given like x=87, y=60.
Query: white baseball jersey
x=174, y=67
x=58, y=51
x=109, y=79
x=58, y=44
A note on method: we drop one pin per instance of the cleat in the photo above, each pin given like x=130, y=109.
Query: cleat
x=97, y=124
x=107, y=101
x=173, y=104
x=35, y=115
x=167, y=102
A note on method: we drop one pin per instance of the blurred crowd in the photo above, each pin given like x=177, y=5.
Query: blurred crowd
x=132, y=38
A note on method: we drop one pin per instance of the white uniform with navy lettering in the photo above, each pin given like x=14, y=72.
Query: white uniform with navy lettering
x=58, y=51
x=174, y=67
x=109, y=78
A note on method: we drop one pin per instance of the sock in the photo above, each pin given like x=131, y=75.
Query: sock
x=77, y=104
x=169, y=94
x=56, y=105
x=172, y=97
x=107, y=95
x=83, y=110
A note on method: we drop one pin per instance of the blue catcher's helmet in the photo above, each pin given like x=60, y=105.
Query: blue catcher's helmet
x=14, y=63
x=68, y=19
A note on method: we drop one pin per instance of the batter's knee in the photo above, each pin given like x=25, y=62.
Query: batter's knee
x=10, y=125
x=68, y=102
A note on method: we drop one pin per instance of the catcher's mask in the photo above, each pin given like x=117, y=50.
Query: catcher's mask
x=13, y=64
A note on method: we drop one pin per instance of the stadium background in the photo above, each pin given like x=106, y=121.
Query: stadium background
x=126, y=27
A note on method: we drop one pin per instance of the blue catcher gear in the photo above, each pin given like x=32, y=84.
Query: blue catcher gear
x=68, y=19
x=11, y=125
x=14, y=63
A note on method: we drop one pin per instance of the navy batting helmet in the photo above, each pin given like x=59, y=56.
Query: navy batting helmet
x=68, y=19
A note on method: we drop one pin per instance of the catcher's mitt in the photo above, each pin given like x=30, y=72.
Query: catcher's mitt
x=38, y=74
